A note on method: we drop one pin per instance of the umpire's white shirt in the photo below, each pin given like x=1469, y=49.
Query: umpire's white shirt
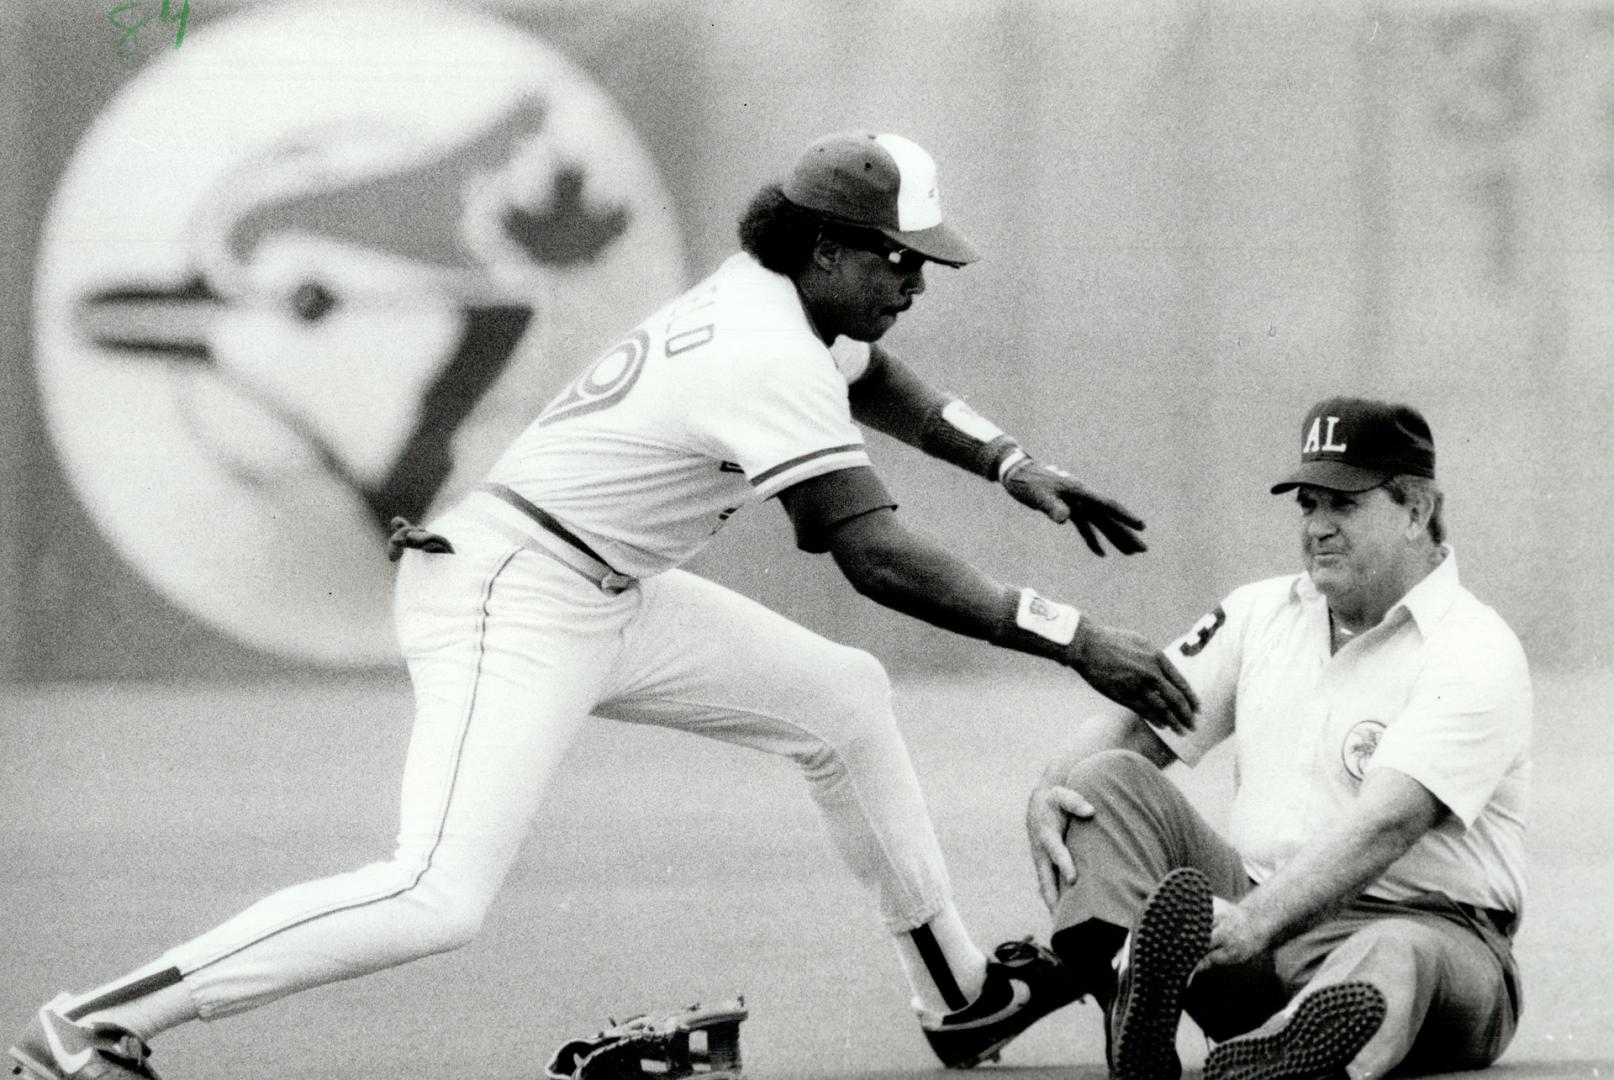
x=721, y=398
x=1439, y=690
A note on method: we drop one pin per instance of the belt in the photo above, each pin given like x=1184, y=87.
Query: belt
x=557, y=540
x=1502, y=921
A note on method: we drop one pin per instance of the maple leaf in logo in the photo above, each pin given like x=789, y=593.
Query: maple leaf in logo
x=564, y=231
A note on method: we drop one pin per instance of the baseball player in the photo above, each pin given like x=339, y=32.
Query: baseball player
x=554, y=592
x=1359, y=916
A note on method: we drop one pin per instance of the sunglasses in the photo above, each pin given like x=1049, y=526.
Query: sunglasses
x=906, y=260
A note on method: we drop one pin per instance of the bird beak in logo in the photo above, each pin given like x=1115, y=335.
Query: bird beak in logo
x=331, y=228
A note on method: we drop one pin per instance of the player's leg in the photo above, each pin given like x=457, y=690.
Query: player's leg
x=506, y=650
x=1450, y=993
x=706, y=660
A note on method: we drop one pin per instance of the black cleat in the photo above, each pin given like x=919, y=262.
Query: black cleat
x=1024, y=983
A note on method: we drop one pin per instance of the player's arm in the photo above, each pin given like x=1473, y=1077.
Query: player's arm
x=891, y=398
x=849, y=514
x=1392, y=811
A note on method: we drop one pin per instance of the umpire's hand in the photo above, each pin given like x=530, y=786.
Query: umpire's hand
x=1236, y=938
x=1056, y=493
x=1128, y=670
x=1048, y=811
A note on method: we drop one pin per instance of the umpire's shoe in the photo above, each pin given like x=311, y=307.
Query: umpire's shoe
x=1315, y=1041
x=56, y=1048
x=1170, y=937
x=1024, y=983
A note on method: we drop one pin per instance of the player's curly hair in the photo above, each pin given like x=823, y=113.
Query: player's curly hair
x=781, y=235
x=1404, y=488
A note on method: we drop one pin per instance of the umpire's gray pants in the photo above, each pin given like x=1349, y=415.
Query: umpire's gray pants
x=1450, y=981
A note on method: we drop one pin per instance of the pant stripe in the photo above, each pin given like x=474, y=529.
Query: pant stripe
x=448, y=798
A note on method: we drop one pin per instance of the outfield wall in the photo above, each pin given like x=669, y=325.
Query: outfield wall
x=1197, y=219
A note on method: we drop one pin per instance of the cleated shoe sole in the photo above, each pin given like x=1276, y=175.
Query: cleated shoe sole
x=1327, y=1030
x=1170, y=938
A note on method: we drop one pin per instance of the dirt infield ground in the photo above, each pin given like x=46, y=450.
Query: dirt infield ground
x=665, y=870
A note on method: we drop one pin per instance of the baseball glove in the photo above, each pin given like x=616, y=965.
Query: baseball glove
x=698, y=1042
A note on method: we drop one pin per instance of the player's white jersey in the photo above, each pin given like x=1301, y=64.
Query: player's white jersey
x=723, y=397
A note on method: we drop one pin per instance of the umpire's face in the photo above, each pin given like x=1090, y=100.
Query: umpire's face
x=1354, y=543
x=860, y=292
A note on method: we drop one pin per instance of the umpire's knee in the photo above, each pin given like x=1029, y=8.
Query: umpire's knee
x=1113, y=770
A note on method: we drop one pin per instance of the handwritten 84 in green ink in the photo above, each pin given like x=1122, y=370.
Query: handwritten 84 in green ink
x=134, y=21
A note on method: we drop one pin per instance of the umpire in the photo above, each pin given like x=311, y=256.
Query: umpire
x=1367, y=894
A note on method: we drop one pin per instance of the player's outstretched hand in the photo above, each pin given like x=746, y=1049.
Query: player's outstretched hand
x=1048, y=811
x=1128, y=670
x=1056, y=493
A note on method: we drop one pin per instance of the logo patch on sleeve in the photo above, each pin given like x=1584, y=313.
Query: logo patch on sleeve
x=1360, y=743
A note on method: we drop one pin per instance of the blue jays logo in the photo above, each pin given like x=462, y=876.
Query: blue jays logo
x=1360, y=742
x=273, y=312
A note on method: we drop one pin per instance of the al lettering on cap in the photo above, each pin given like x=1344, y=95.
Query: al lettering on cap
x=1353, y=444
x=878, y=181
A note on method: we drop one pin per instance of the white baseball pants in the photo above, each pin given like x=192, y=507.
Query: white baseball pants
x=509, y=650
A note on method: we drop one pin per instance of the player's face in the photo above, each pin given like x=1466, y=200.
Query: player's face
x=873, y=288
x=1352, y=542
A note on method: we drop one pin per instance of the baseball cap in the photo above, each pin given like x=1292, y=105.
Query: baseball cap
x=1353, y=444
x=883, y=182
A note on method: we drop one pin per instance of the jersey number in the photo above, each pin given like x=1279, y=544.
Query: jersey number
x=606, y=382
x=1207, y=630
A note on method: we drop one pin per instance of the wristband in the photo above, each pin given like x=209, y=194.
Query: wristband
x=958, y=434
x=1032, y=623
x=1047, y=618
x=1017, y=457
